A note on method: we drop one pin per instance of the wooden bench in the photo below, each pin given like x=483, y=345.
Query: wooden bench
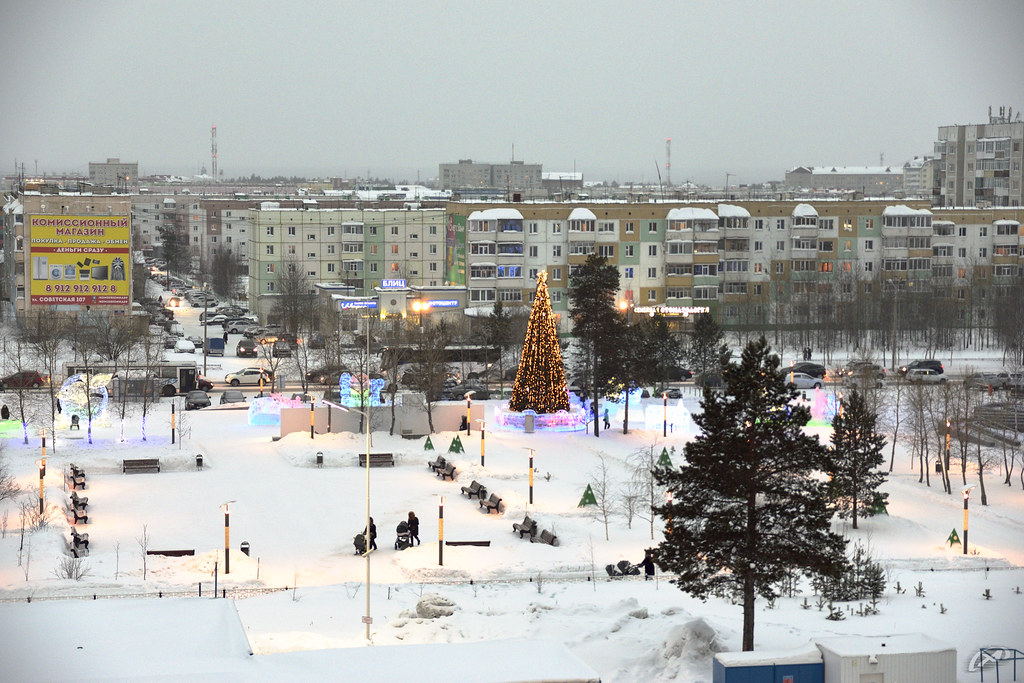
x=140, y=465
x=172, y=553
x=475, y=489
x=492, y=503
x=78, y=502
x=79, y=540
x=448, y=471
x=527, y=526
x=437, y=464
x=76, y=478
x=481, y=544
x=545, y=537
x=78, y=516
x=378, y=460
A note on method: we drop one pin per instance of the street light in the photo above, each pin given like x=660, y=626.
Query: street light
x=227, y=536
x=664, y=415
x=440, y=532
x=531, y=474
x=367, y=619
x=469, y=404
x=483, y=433
x=967, y=496
x=41, y=463
x=626, y=306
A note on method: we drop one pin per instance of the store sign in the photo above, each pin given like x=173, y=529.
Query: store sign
x=79, y=260
x=344, y=305
x=392, y=284
x=443, y=303
x=684, y=311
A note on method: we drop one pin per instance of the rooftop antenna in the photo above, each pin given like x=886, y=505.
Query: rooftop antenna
x=213, y=152
x=881, y=158
x=661, y=189
x=668, y=161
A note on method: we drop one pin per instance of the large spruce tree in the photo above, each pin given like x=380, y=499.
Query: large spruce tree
x=857, y=459
x=596, y=321
x=749, y=504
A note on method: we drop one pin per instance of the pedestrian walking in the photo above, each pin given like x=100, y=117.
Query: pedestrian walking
x=225, y=336
x=607, y=422
x=414, y=527
x=648, y=564
x=372, y=535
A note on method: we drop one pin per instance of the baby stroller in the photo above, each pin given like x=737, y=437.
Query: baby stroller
x=623, y=568
x=360, y=543
x=404, y=539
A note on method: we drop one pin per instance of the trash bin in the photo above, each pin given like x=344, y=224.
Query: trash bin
x=938, y=467
x=319, y=458
x=199, y=461
x=528, y=420
x=244, y=547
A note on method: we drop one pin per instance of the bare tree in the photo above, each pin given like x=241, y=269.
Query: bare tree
x=9, y=488
x=69, y=567
x=431, y=369
x=632, y=496
x=642, y=463
x=143, y=542
x=294, y=304
x=601, y=486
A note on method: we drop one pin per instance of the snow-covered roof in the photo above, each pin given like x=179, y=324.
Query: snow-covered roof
x=495, y=214
x=903, y=210
x=691, y=214
x=804, y=210
x=168, y=200
x=849, y=170
x=582, y=214
x=562, y=175
x=730, y=211
x=865, y=646
x=484, y=263
x=269, y=206
x=999, y=222
x=808, y=654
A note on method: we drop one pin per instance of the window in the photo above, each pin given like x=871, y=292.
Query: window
x=780, y=245
x=532, y=273
x=652, y=295
x=394, y=268
x=483, y=248
x=270, y=267
x=556, y=250
x=627, y=272
x=291, y=250
x=652, y=250
x=826, y=223
x=847, y=224
x=270, y=250
x=556, y=297
x=962, y=231
x=759, y=224
x=270, y=230
x=394, y=248
x=758, y=246
x=629, y=227
x=825, y=267
x=330, y=249
x=780, y=223
x=533, y=251
x=983, y=252
x=291, y=230
x=780, y=268
x=677, y=293
x=432, y=230
x=330, y=230
x=330, y=267
x=652, y=272
x=394, y=229
x=606, y=250
x=757, y=290
x=373, y=267
x=481, y=295
x=869, y=245
x=311, y=254
x=627, y=249
x=432, y=249
x=510, y=271
x=580, y=248
x=270, y=286
x=533, y=228
x=652, y=226
x=826, y=245
x=983, y=231
x=481, y=271
x=556, y=228
x=606, y=226
x=705, y=269
x=961, y=252
x=556, y=273
x=510, y=248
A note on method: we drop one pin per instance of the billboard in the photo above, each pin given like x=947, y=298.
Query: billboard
x=79, y=260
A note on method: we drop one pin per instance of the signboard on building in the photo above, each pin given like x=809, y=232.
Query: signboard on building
x=455, y=250
x=346, y=305
x=443, y=303
x=392, y=284
x=79, y=260
x=684, y=311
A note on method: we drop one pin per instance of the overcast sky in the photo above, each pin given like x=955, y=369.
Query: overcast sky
x=393, y=89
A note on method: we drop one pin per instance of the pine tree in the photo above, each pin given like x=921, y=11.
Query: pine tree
x=748, y=505
x=857, y=459
x=596, y=321
x=540, y=380
x=707, y=347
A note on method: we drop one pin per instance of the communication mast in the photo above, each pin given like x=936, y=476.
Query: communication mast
x=213, y=151
x=668, y=161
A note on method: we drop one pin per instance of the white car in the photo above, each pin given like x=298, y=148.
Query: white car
x=184, y=346
x=248, y=376
x=801, y=380
x=925, y=376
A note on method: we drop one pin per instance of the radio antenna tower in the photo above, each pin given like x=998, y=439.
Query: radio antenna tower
x=213, y=151
x=668, y=161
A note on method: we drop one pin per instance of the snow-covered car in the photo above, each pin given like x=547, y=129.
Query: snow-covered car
x=232, y=396
x=248, y=376
x=924, y=376
x=984, y=380
x=184, y=346
x=801, y=380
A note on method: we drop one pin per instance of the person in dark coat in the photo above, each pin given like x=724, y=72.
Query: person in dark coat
x=5, y=413
x=372, y=534
x=225, y=336
x=414, y=527
x=648, y=565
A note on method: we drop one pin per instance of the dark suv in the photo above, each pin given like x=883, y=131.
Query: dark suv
x=808, y=368
x=927, y=364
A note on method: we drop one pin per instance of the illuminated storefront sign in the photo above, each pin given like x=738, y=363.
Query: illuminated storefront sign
x=392, y=284
x=684, y=311
x=343, y=305
x=443, y=303
x=82, y=260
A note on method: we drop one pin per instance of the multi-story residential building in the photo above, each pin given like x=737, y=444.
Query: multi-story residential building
x=980, y=164
x=357, y=247
x=467, y=175
x=871, y=181
x=114, y=173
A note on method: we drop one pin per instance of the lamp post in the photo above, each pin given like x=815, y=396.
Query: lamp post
x=895, y=315
x=531, y=474
x=41, y=463
x=440, y=532
x=227, y=536
x=664, y=413
x=483, y=434
x=312, y=418
x=945, y=464
x=626, y=306
x=469, y=404
x=967, y=496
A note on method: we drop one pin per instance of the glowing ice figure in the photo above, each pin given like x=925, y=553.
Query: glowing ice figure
x=353, y=390
x=678, y=416
x=266, y=410
x=76, y=399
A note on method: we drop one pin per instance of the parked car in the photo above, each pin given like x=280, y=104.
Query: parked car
x=672, y=392
x=194, y=400
x=865, y=368
x=246, y=348
x=236, y=325
x=282, y=349
x=249, y=376
x=996, y=380
x=325, y=375
x=184, y=346
x=458, y=392
x=232, y=396
x=809, y=368
x=801, y=380
x=924, y=376
x=24, y=379
x=926, y=364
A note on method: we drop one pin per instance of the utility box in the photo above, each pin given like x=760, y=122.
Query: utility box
x=803, y=665
x=907, y=658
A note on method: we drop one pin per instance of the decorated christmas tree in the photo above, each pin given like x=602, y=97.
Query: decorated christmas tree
x=540, y=379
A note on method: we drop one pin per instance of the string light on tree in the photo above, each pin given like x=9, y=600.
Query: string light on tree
x=540, y=379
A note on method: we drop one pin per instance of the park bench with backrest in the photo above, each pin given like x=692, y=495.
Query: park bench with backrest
x=492, y=503
x=526, y=527
x=140, y=465
x=377, y=459
x=447, y=473
x=79, y=541
x=75, y=478
x=78, y=516
x=437, y=463
x=545, y=537
x=79, y=502
x=476, y=489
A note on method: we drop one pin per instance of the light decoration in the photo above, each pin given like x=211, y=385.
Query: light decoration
x=266, y=410
x=540, y=378
x=354, y=391
x=677, y=415
x=76, y=398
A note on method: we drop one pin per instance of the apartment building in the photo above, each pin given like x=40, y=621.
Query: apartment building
x=114, y=173
x=871, y=181
x=467, y=175
x=980, y=165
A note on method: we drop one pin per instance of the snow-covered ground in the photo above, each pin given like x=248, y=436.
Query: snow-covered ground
x=300, y=520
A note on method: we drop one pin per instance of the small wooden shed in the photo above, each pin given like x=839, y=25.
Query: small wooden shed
x=907, y=658
x=802, y=665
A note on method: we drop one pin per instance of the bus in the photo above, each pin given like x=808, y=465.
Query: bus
x=465, y=360
x=169, y=377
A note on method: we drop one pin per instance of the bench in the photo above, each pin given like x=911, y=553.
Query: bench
x=438, y=464
x=76, y=478
x=140, y=465
x=377, y=460
x=527, y=526
x=448, y=471
x=480, y=544
x=75, y=423
x=79, y=540
x=545, y=537
x=492, y=503
x=172, y=553
x=78, y=516
x=78, y=502
x=475, y=489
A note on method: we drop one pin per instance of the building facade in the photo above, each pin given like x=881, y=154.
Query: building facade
x=980, y=165
x=466, y=175
x=114, y=173
x=871, y=181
